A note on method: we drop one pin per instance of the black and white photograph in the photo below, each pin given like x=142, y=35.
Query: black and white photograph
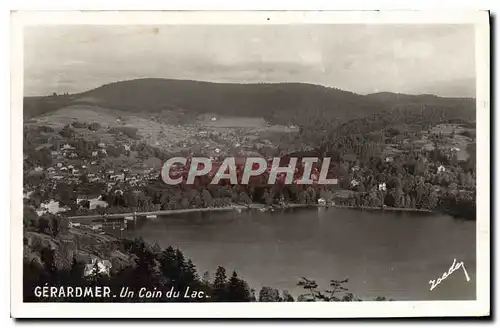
x=189, y=160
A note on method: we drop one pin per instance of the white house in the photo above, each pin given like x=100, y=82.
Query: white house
x=354, y=183
x=101, y=144
x=95, y=153
x=213, y=119
x=51, y=207
x=217, y=150
x=73, y=224
x=441, y=168
x=67, y=146
x=103, y=267
x=382, y=186
x=97, y=202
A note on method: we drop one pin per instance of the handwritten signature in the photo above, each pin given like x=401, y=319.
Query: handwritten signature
x=455, y=266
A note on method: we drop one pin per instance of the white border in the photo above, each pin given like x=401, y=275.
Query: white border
x=255, y=310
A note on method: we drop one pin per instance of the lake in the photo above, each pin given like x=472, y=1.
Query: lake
x=383, y=254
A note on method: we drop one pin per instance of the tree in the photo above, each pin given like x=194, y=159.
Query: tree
x=168, y=265
x=207, y=198
x=67, y=132
x=237, y=290
x=220, y=284
x=268, y=294
x=30, y=218
x=244, y=198
x=287, y=297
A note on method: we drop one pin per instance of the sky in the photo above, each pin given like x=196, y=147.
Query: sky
x=414, y=59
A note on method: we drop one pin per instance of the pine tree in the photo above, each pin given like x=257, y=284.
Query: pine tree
x=237, y=290
x=168, y=266
x=220, y=284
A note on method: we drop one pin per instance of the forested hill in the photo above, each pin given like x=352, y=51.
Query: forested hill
x=278, y=102
x=391, y=99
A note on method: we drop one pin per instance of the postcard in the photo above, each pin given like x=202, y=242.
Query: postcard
x=203, y=164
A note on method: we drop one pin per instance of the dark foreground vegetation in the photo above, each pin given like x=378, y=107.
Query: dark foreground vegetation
x=160, y=270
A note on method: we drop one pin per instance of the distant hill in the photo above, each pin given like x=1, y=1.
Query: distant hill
x=276, y=102
x=395, y=99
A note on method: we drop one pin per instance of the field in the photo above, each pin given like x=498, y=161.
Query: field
x=207, y=134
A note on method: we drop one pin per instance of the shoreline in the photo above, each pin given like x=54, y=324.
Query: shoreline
x=239, y=208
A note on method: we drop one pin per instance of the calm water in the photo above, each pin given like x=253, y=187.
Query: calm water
x=383, y=254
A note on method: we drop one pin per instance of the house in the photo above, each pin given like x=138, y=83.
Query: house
x=213, y=118
x=127, y=147
x=96, y=226
x=73, y=224
x=389, y=159
x=94, y=203
x=38, y=169
x=101, y=145
x=382, y=186
x=67, y=147
x=440, y=169
x=354, y=183
x=51, y=207
x=95, y=153
x=120, y=177
x=321, y=201
x=59, y=165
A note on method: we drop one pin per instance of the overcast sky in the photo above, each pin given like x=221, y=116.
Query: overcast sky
x=414, y=59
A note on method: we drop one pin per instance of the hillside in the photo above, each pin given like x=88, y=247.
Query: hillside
x=283, y=103
x=394, y=99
